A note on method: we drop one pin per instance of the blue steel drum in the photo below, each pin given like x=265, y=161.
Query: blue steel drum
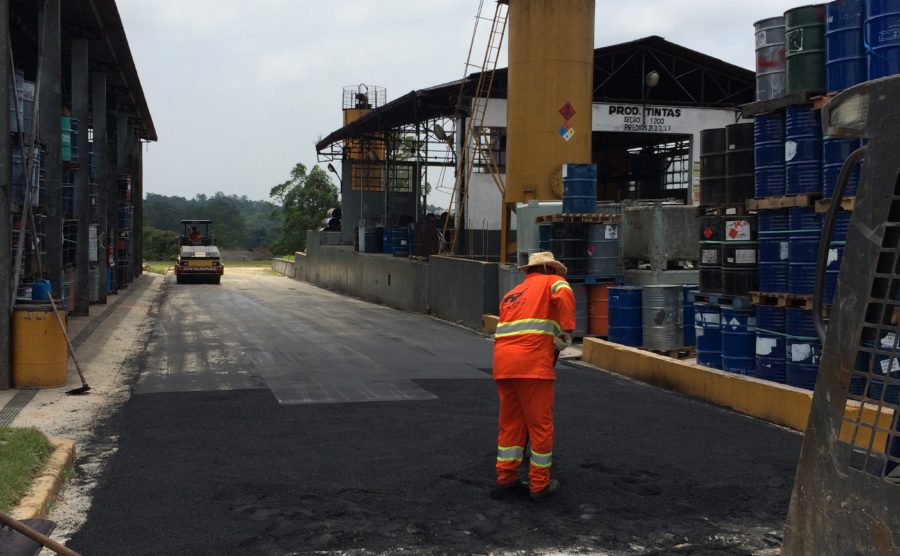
x=738, y=340
x=803, y=349
x=803, y=245
x=387, y=243
x=400, y=240
x=625, y=322
x=845, y=53
x=832, y=269
x=834, y=153
x=799, y=322
x=802, y=150
x=773, y=220
x=690, y=335
x=708, y=334
x=579, y=188
x=804, y=219
x=773, y=262
x=771, y=342
x=841, y=226
x=544, y=236
x=768, y=136
x=803, y=355
x=410, y=237
x=882, y=33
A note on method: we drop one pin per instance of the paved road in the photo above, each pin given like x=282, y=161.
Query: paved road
x=272, y=417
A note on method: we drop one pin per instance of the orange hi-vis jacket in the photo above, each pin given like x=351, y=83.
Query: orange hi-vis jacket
x=531, y=315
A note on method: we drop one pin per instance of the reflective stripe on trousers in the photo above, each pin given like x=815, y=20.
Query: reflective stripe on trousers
x=510, y=453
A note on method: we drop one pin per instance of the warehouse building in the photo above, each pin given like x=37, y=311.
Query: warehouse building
x=70, y=168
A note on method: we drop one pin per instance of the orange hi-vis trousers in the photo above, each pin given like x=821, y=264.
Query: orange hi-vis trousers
x=526, y=413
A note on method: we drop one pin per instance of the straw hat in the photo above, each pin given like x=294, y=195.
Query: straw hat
x=544, y=258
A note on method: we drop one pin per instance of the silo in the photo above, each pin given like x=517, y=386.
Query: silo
x=551, y=61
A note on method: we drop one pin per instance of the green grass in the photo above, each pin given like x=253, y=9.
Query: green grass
x=23, y=453
x=158, y=267
x=291, y=258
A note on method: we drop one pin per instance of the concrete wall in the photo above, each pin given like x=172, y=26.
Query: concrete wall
x=283, y=267
x=461, y=290
x=457, y=290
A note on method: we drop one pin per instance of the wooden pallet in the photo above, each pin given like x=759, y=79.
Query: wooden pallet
x=734, y=301
x=730, y=209
x=847, y=203
x=680, y=353
x=786, y=201
x=786, y=300
x=586, y=218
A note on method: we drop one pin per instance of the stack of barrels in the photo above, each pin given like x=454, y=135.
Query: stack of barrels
x=810, y=50
x=728, y=245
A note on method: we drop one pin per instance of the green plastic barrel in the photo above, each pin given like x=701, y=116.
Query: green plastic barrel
x=65, y=124
x=805, y=38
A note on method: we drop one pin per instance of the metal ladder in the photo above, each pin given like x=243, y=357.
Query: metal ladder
x=472, y=143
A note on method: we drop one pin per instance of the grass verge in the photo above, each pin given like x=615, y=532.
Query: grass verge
x=23, y=453
x=158, y=267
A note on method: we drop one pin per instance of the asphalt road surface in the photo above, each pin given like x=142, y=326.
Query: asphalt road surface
x=272, y=417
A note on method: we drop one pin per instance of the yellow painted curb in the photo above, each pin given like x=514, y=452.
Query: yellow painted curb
x=489, y=323
x=46, y=486
x=776, y=403
x=784, y=405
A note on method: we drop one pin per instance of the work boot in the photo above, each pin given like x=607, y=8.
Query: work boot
x=509, y=490
x=549, y=491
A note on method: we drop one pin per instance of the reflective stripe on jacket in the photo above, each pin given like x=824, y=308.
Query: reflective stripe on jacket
x=531, y=315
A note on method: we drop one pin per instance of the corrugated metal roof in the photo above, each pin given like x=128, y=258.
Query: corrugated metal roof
x=615, y=80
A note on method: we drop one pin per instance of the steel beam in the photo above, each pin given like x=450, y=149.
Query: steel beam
x=50, y=102
x=137, y=183
x=80, y=110
x=5, y=224
x=101, y=171
x=123, y=132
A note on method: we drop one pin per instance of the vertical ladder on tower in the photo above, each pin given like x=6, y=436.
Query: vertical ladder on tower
x=472, y=141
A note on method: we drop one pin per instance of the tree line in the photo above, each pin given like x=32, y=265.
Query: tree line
x=300, y=204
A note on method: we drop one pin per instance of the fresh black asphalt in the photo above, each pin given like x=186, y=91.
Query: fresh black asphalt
x=230, y=470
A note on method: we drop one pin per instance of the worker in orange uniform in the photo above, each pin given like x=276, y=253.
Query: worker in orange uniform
x=537, y=318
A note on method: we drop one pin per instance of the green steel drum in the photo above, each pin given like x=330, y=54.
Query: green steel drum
x=805, y=58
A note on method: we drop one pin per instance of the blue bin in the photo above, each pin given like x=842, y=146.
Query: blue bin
x=41, y=290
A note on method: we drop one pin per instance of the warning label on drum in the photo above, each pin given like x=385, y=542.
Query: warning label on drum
x=709, y=256
x=738, y=230
x=745, y=256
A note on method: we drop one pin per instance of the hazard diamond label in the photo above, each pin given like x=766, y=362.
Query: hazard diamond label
x=567, y=111
x=707, y=232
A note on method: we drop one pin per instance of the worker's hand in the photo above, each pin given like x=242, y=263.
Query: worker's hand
x=562, y=340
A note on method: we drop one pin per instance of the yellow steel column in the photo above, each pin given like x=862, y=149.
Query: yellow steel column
x=551, y=62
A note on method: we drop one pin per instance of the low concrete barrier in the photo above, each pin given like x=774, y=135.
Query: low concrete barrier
x=454, y=289
x=284, y=267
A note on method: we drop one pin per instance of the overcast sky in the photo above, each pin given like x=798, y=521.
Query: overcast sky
x=241, y=90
